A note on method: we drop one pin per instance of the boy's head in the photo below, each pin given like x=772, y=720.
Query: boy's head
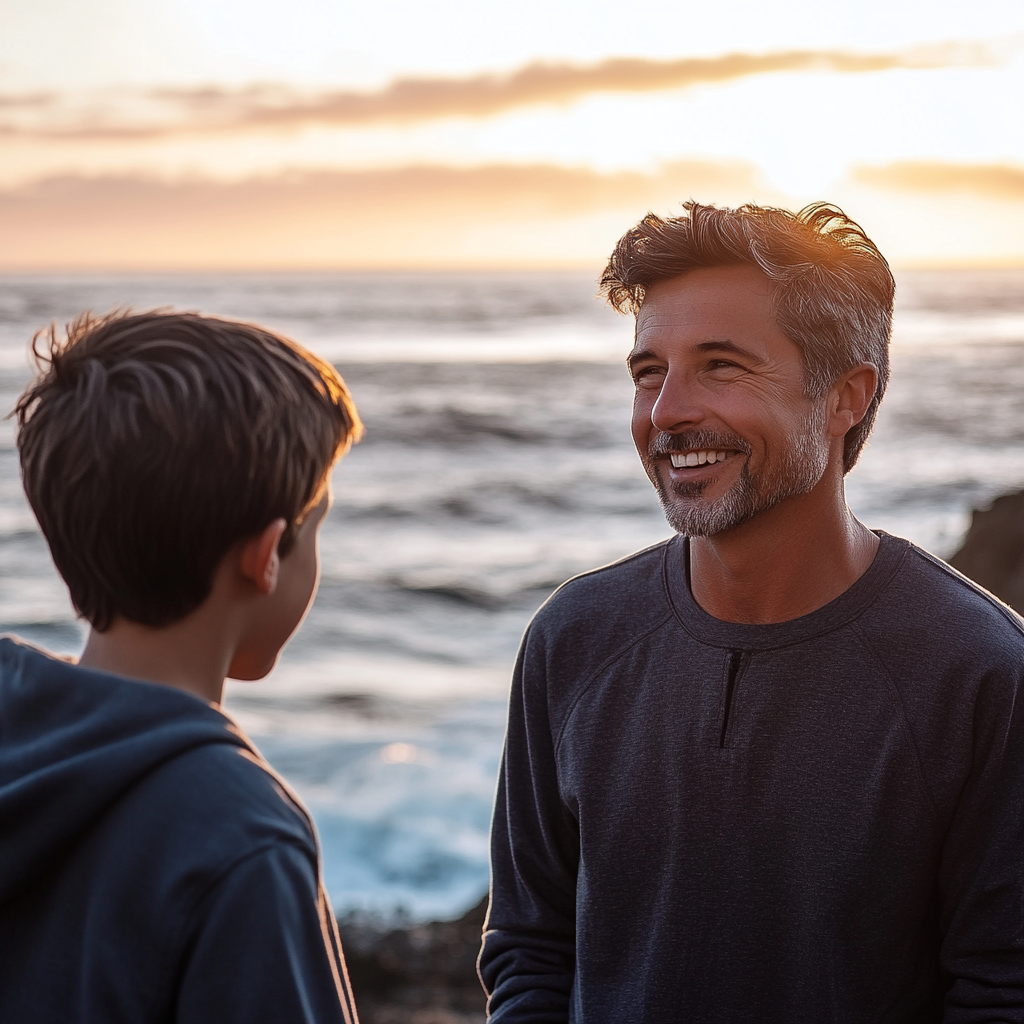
x=152, y=443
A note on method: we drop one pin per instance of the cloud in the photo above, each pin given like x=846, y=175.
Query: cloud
x=413, y=216
x=990, y=181
x=167, y=111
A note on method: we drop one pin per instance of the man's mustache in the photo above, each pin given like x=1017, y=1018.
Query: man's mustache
x=705, y=440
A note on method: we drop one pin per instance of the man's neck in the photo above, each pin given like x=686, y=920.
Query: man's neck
x=783, y=563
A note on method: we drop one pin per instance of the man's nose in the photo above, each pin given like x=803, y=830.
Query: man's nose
x=678, y=405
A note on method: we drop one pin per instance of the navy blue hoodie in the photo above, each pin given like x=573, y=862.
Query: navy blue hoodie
x=152, y=866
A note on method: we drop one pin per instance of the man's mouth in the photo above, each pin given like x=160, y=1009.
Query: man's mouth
x=698, y=457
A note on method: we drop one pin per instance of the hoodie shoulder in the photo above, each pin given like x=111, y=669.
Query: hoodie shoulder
x=218, y=804
x=84, y=754
x=127, y=810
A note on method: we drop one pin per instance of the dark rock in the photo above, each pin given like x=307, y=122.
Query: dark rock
x=993, y=550
x=424, y=974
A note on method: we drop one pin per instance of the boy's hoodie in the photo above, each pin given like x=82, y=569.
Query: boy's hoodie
x=152, y=866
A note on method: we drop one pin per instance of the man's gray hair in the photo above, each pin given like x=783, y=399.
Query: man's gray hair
x=832, y=290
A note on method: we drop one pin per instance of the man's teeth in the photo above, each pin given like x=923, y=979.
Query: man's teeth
x=679, y=459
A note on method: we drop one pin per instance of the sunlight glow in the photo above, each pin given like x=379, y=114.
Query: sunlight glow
x=240, y=117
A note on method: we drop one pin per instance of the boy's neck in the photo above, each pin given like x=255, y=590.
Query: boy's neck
x=190, y=655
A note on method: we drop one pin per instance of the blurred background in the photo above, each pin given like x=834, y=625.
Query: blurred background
x=425, y=194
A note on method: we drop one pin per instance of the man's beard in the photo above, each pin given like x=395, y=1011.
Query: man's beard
x=798, y=472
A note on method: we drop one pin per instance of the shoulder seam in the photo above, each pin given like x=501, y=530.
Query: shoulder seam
x=946, y=569
x=292, y=801
x=589, y=680
x=611, y=565
x=905, y=726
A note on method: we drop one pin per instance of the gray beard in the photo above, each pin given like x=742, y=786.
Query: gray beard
x=798, y=472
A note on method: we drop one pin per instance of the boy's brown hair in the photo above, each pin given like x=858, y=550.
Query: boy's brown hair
x=151, y=443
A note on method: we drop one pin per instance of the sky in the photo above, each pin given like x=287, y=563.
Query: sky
x=264, y=134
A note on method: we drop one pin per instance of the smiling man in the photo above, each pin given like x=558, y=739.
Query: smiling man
x=770, y=770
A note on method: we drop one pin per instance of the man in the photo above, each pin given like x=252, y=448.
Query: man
x=770, y=770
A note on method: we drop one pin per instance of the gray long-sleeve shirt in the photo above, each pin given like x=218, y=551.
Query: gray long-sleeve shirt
x=813, y=821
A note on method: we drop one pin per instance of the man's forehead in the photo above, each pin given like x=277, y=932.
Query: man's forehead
x=715, y=304
x=717, y=293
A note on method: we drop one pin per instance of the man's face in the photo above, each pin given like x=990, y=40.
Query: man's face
x=720, y=418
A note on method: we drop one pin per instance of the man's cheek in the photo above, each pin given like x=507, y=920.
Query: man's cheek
x=641, y=429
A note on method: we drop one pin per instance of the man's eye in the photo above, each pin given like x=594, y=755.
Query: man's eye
x=648, y=377
x=724, y=366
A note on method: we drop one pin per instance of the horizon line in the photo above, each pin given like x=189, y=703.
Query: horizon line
x=468, y=268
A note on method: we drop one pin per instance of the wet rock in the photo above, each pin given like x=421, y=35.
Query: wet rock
x=425, y=974
x=993, y=550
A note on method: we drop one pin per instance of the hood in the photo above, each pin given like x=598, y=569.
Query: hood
x=71, y=742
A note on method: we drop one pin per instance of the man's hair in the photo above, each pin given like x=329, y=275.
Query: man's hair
x=832, y=290
x=151, y=443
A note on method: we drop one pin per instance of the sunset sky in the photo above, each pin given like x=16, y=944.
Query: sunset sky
x=194, y=134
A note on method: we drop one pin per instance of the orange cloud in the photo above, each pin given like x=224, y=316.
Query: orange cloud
x=990, y=181
x=174, y=111
x=413, y=216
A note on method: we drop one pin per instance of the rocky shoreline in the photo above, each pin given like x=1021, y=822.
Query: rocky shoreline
x=992, y=553
x=425, y=974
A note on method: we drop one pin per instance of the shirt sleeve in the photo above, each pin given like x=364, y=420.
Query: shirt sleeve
x=982, y=872
x=267, y=948
x=527, y=962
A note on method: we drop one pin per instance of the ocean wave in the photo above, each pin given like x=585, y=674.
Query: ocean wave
x=497, y=503
x=404, y=823
x=481, y=485
x=451, y=426
x=480, y=597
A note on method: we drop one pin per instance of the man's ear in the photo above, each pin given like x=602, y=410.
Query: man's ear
x=259, y=560
x=851, y=396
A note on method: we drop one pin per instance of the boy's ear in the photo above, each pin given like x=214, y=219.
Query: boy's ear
x=259, y=560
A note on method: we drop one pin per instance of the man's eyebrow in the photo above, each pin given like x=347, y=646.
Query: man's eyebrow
x=727, y=346
x=641, y=355
x=637, y=356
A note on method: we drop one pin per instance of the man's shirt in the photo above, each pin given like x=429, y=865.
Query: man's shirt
x=812, y=821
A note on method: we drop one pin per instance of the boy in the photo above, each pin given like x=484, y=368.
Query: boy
x=154, y=868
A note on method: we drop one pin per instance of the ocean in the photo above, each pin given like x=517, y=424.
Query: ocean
x=497, y=463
